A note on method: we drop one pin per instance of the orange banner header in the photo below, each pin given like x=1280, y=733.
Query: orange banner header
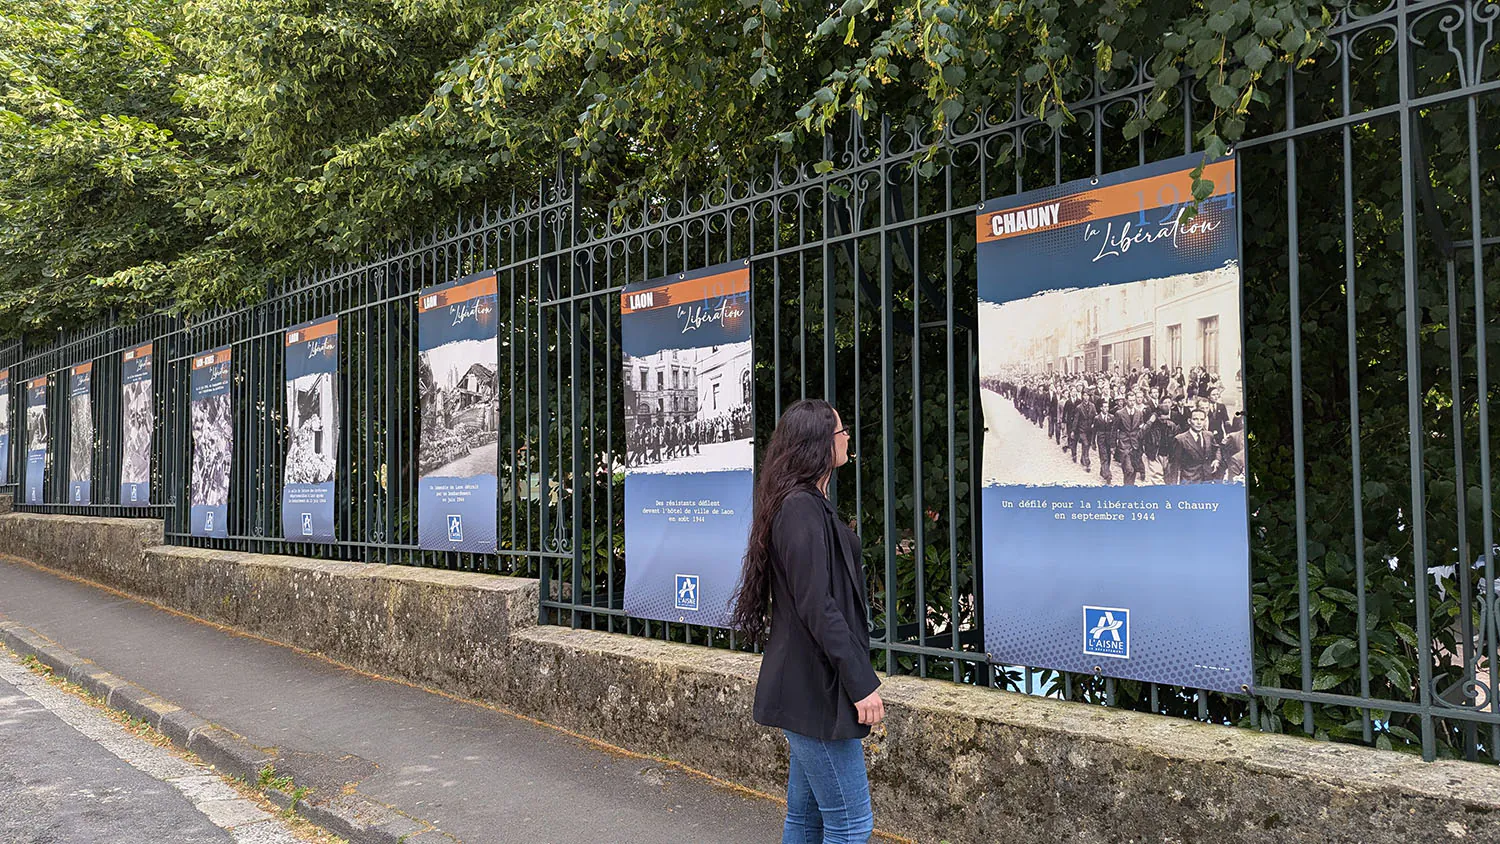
x=138, y=352
x=673, y=293
x=83, y=368
x=220, y=356
x=317, y=330
x=37, y=382
x=483, y=286
x=1146, y=195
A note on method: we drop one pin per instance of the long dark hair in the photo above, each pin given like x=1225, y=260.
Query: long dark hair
x=800, y=455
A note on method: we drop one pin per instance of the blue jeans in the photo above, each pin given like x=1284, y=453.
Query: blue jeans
x=827, y=792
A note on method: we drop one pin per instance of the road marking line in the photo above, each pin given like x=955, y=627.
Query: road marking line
x=205, y=790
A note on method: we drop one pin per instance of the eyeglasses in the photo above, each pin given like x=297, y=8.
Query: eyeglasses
x=844, y=430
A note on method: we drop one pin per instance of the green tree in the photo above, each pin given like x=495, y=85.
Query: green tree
x=199, y=152
x=100, y=165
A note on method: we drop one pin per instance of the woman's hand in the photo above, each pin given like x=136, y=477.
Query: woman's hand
x=871, y=710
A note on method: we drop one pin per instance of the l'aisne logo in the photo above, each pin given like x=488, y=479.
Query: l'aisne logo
x=206, y=360
x=294, y=337
x=642, y=301
x=1106, y=632
x=429, y=302
x=687, y=592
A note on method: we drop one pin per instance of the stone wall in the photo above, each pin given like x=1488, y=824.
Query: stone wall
x=108, y=551
x=968, y=764
x=954, y=763
x=446, y=628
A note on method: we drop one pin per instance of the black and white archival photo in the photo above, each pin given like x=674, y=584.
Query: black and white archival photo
x=688, y=410
x=1126, y=384
x=81, y=438
x=458, y=385
x=312, y=415
x=135, y=460
x=212, y=433
x=36, y=428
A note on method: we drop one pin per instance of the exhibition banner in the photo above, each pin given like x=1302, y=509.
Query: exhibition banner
x=213, y=443
x=139, y=421
x=459, y=446
x=4, y=426
x=312, y=362
x=36, y=438
x=1114, y=510
x=80, y=433
x=689, y=456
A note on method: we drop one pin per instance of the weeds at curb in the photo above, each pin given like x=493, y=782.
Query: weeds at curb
x=269, y=781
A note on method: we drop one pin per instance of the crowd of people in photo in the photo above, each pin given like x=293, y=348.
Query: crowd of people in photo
x=135, y=465
x=657, y=442
x=213, y=441
x=1149, y=426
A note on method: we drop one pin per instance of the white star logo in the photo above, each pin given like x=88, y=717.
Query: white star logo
x=1107, y=624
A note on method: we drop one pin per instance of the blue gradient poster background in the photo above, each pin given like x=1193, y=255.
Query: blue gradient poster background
x=312, y=362
x=689, y=479
x=213, y=443
x=1115, y=538
x=459, y=445
x=36, y=439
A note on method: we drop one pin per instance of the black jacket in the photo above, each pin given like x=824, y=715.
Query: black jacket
x=817, y=661
x=1194, y=459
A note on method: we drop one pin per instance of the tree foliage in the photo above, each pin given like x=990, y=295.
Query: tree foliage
x=158, y=154
x=97, y=158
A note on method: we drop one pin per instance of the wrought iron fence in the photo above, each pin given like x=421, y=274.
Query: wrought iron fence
x=1368, y=186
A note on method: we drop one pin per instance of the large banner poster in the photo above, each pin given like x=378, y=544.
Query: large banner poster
x=689, y=454
x=80, y=433
x=139, y=421
x=312, y=360
x=36, y=438
x=1114, y=511
x=459, y=450
x=4, y=426
x=213, y=444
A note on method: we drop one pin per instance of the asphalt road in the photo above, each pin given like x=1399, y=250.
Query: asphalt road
x=71, y=775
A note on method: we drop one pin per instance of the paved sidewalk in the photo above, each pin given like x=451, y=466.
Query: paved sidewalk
x=474, y=773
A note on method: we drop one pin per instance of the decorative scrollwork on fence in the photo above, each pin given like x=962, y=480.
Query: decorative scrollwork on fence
x=1470, y=690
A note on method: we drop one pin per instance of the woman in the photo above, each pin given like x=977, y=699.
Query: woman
x=816, y=683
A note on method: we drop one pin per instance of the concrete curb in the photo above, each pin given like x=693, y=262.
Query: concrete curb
x=352, y=816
